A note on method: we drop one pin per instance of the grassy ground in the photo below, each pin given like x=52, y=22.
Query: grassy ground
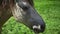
x=50, y=12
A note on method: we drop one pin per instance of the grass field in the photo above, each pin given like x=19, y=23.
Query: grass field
x=50, y=12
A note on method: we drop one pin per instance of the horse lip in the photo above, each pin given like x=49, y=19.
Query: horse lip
x=37, y=27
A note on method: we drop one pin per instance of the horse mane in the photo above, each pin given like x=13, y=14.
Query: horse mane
x=4, y=3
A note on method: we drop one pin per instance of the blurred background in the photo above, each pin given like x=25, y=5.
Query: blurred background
x=49, y=11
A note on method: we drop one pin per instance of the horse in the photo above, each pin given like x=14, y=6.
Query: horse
x=23, y=11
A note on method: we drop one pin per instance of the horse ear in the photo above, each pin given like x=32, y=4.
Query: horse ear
x=31, y=2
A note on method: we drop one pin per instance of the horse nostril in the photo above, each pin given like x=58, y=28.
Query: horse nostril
x=42, y=28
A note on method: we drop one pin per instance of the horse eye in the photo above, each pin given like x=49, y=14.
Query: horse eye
x=23, y=5
x=25, y=8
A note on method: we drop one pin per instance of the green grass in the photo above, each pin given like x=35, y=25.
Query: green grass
x=50, y=12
